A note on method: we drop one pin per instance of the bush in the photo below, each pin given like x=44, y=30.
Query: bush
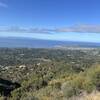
x=88, y=86
x=28, y=96
x=94, y=75
x=58, y=85
x=69, y=89
x=16, y=94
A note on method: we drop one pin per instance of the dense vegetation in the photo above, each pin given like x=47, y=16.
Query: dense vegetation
x=50, y=74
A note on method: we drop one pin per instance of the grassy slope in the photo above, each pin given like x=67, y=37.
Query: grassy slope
x=72, y=87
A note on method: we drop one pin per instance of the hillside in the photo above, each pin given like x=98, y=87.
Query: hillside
x=50, y=74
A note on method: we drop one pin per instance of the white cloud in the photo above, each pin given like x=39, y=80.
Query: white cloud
x=75, y=28
x=24, y=30
x=4, y=5
x=81, y=29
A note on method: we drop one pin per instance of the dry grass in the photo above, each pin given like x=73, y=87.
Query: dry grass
x=92, y=96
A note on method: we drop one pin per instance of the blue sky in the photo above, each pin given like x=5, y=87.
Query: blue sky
x=76, y=20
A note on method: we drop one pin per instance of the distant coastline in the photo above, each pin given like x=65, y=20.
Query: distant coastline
x=21, y=42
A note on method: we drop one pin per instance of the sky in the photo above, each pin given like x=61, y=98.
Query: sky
x=65, y=20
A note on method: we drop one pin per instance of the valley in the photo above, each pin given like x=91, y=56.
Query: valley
x=45, y=73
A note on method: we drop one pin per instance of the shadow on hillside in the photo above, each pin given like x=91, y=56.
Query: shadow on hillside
x=7, y=86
